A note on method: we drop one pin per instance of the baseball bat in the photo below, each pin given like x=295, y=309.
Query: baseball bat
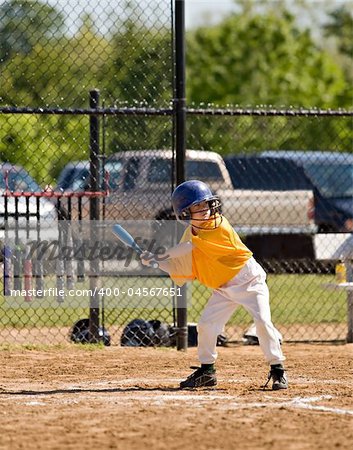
x=129, y=241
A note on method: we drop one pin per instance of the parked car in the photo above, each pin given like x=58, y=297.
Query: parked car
x=74, y=177
x=266, y=174
x=139, y=182
x=15, y=179
x=140, y=188
x=331, y=174
x=281, y=181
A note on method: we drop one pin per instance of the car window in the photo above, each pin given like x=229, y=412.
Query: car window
x=80, y=183
x=66, y=177
x=131, y=173
x=273, y=174
x=74, y=179
x=332, y=180
x=159, y=171
x=203, y=170
x=18, y=181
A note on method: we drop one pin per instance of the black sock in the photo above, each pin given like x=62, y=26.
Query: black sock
x=277, y=366
x=207, y=366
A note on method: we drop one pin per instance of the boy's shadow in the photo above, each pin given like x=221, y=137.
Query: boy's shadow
x=29, y=393
x=90, y=391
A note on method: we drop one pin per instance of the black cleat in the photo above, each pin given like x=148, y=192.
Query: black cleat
x=200, y=378
x=279, y=378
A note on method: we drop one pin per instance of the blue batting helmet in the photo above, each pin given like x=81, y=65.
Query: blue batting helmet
x=191, y=193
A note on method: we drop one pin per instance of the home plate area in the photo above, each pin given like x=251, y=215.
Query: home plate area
x=184, y=399
x=217, y=398
x=128, y=398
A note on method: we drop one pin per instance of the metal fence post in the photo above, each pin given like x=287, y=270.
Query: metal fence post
x=180, y=144
x=94, y=217
x=349, y=267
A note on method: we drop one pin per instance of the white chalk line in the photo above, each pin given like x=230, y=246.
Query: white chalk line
x=306, y=403
x=297, y=402
x=197, y=399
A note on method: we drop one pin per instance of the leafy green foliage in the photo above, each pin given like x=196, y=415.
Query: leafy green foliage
x=43, y=144
x=25, y=23
x=140, y=74
x=261, y=60
x=251, y=58
x=142, y=62
x=341, y=27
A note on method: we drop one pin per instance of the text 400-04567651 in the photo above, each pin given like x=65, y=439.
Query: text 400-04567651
x=142, y=292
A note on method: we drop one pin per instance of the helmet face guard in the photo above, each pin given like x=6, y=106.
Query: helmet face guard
x=192, y=193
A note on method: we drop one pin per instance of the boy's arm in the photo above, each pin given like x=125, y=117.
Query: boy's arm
x=164, y=259
x=179, y=250
x=165, y=266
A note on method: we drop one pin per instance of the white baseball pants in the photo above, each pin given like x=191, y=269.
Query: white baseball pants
x=249, y=289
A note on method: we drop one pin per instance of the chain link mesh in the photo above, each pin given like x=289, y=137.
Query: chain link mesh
x=286, y=208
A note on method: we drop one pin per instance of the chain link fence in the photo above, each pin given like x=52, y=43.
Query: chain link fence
x=285, y=179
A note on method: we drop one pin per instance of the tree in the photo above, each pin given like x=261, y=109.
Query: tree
x=43, y=144
x=55, y=73
x=25, y=23
x=58, y=72
x=250, y=60
x=142, y=65
x=340, y=28
x=253, y=59
x=140, y=74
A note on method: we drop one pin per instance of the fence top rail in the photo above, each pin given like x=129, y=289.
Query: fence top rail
x=138, y=111
x=88, y=111
x=268, y=112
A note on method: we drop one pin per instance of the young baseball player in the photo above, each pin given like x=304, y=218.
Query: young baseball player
x=222, y=262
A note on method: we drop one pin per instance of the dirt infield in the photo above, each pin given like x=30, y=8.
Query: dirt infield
x=76, y=398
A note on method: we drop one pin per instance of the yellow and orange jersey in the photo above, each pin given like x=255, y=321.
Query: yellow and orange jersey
x=218, y=255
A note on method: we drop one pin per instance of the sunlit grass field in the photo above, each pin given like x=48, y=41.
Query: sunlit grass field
x=299, y=299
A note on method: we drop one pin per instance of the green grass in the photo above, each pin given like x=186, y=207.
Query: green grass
x=305, y=299
x=49, y=347
x=300, y=299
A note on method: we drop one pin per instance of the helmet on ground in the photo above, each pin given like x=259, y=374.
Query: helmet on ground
x=191, y=193
x=80, y=333
x=143, y=333
x=161, y=333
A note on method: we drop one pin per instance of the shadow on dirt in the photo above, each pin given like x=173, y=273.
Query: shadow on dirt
x=104, y=391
